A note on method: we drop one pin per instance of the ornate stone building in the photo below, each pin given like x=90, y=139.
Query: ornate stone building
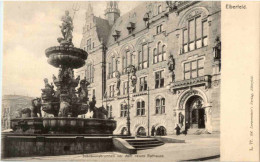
x=10, y=104
x=175, y=48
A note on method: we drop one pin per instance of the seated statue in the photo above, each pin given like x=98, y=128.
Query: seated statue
x=100, y=113
x=64, y=108
x=36, y=107
x=83, y=91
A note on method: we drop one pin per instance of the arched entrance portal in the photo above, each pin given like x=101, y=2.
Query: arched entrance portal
x=141, y=131
x=194, y=113
x=161, y=131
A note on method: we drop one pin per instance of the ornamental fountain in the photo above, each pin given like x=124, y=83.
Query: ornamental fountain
x=66, y=103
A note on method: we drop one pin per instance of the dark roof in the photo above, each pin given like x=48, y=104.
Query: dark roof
x=135, y=16
x=103, y=29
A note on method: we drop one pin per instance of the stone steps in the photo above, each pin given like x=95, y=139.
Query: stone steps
x=144, y=143
x=197, y=131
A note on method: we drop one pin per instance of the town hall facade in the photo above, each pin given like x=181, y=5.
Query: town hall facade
x=175, y=49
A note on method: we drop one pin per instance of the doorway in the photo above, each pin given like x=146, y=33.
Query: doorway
x=194, y=113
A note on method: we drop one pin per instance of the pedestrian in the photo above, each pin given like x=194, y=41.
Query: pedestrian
x=177, y=130
x=185, y=131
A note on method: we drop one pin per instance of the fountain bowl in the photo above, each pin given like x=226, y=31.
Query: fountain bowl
x=66, y=56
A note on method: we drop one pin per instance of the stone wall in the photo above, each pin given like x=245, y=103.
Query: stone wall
x=18, y=146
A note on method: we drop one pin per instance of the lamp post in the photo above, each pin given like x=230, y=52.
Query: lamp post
x=130, y=69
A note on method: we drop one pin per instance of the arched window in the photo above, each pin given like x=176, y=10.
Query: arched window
x=163, y=52
x=123, y=110
x=112, y=67
x=143, y=56
x=124, y=131
x=140, y=111
x=195, y=34
x=161, y=131
x=89, y=73
x=160, y=106
x=159, y=54
x=127, y=60
x=141, y=131
x=159, y=51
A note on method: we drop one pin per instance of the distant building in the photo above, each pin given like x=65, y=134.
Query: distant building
x=10, y=104
x=183, y=90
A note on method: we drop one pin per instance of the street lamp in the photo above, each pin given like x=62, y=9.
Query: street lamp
x=130, y=69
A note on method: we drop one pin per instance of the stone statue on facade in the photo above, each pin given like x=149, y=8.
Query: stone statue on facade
x=66, y=30
x=181, y=119
x=118, y=82
x=217, y=48
x=171, y=67
x=133, y=78
x=172, y=5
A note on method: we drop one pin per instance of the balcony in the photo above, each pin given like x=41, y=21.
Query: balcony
x=199, y=81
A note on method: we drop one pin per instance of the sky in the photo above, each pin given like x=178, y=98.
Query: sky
x=31, y=27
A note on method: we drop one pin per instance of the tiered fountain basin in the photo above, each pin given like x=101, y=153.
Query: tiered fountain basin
x=35, y=136
x=59, y=125
x=69, y=56
x=63, y=125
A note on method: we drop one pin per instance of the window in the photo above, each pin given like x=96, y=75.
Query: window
x=143, y=84
x=112, y=67
x=111, y=90
x=109, y=111
x=123, y=110
x=159, y=54
x=160, y=106
x=143, y=57
x=195, y=36
x=130, y=27
x=93, y=45
x=159, y=9
x=127, y=60
x=159, y=80
x=193, y=69
x=125, y=87
x=159, y=29
x=140, y=105
x=88, y=44
x=163, y=53
x=89, y=73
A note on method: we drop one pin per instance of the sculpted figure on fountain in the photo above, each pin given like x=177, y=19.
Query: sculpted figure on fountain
x=66, y=30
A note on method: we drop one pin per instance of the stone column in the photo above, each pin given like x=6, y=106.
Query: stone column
x=208, y=124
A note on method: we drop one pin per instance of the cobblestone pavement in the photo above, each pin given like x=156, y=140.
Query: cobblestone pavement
x=198, y=147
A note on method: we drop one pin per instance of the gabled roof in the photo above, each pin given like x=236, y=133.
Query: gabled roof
x=134, y=16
